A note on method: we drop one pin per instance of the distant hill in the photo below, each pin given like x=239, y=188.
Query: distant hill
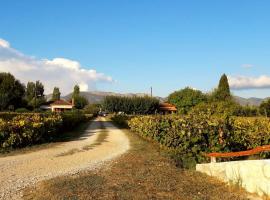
x=97, y=97
x=253, y=101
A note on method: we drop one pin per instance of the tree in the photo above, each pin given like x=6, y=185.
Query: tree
x=76, y=91
x=92, y=109
x=265, y=108
x=222, y=93
x=35, y=94
x=131, y=105
x=80, y=102
x=56, y=94
x=186, y=98
x=11, y=91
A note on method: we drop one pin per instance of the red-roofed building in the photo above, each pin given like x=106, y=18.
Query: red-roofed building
x=58, y=106
x=166, y=108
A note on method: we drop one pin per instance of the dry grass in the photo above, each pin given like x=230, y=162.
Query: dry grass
x=142, y=173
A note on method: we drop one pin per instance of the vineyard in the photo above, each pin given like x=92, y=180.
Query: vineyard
x=20, y=130
x=190, y=137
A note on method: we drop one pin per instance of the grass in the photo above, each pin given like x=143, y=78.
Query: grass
x=63, y=137
x=144, y=172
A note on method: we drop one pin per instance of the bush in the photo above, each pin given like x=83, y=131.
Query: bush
x=24, y=130
x=190, y=137
x=121, y=120
x=224, y=109
x=22, y=110
x=20, y=130
x=72, y=118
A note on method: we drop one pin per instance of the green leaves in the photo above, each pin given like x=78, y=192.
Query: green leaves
x=193, y=135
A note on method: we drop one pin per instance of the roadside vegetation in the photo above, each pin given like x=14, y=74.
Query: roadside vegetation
x=144, y=172
x=204, y=123
x=22, y=130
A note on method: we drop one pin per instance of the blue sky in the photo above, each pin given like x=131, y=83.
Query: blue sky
x=165, y=44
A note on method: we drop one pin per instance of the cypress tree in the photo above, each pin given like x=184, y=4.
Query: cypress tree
x=56, y=94
x=223, y=92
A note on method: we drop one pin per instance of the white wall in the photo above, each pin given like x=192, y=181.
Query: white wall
x=253, y=175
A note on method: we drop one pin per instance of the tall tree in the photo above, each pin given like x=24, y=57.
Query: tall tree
x=222, y=93
x=76, y=91
x=11, y=91
x=265, y=108
x=35, y=94
x=56, y=94
x=186, y=98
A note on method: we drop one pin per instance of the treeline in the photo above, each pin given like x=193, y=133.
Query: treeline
x=15, y=96
x=131, y=105
x=218, y=102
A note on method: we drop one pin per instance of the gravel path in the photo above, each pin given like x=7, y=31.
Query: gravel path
x=87, y=152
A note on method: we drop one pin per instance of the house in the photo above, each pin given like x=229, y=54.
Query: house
x=167, y=108
x=58, y=105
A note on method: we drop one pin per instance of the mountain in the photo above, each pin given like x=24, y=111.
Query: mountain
x=97, y=96
x=253, y=101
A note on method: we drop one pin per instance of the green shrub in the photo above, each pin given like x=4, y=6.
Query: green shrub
x=72, y=118
x=190, y=137
x=121, y=120
x=22, y=110
x=25, y=129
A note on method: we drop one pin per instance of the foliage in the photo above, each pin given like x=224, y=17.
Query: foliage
x=56, y=94
x=79, y=101
x=224, y=108
x=222, y=93
x=265, y=108
x=131, y=105
x=11, y=92
x=193, y=135
x=76, y=91
x=22, y=110
x=20, y=130
x=186, y=98
x=121, y=120
x=24, y=130
x=72, y=118
x=35, y=94
x=92, y=109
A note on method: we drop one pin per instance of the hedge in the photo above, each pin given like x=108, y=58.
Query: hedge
x=190, y=137
x=20, y=130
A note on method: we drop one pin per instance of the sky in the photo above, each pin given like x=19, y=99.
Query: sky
x=129, y=46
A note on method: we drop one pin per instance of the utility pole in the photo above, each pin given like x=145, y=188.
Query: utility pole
x=151, y=92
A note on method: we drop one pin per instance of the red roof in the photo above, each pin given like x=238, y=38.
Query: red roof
x=62, y=102
x=167, y=107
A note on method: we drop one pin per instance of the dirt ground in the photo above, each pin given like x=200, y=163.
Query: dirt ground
x=101, y=142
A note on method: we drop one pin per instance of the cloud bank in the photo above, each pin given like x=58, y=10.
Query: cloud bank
x=244, y=82
x=60, y=72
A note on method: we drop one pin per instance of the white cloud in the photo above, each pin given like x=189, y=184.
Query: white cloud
x=247, y=65
x=244, y=82
x=60, y=72
x=4, y=43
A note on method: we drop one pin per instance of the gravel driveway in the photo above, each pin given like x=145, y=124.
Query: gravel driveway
x=101, y=142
